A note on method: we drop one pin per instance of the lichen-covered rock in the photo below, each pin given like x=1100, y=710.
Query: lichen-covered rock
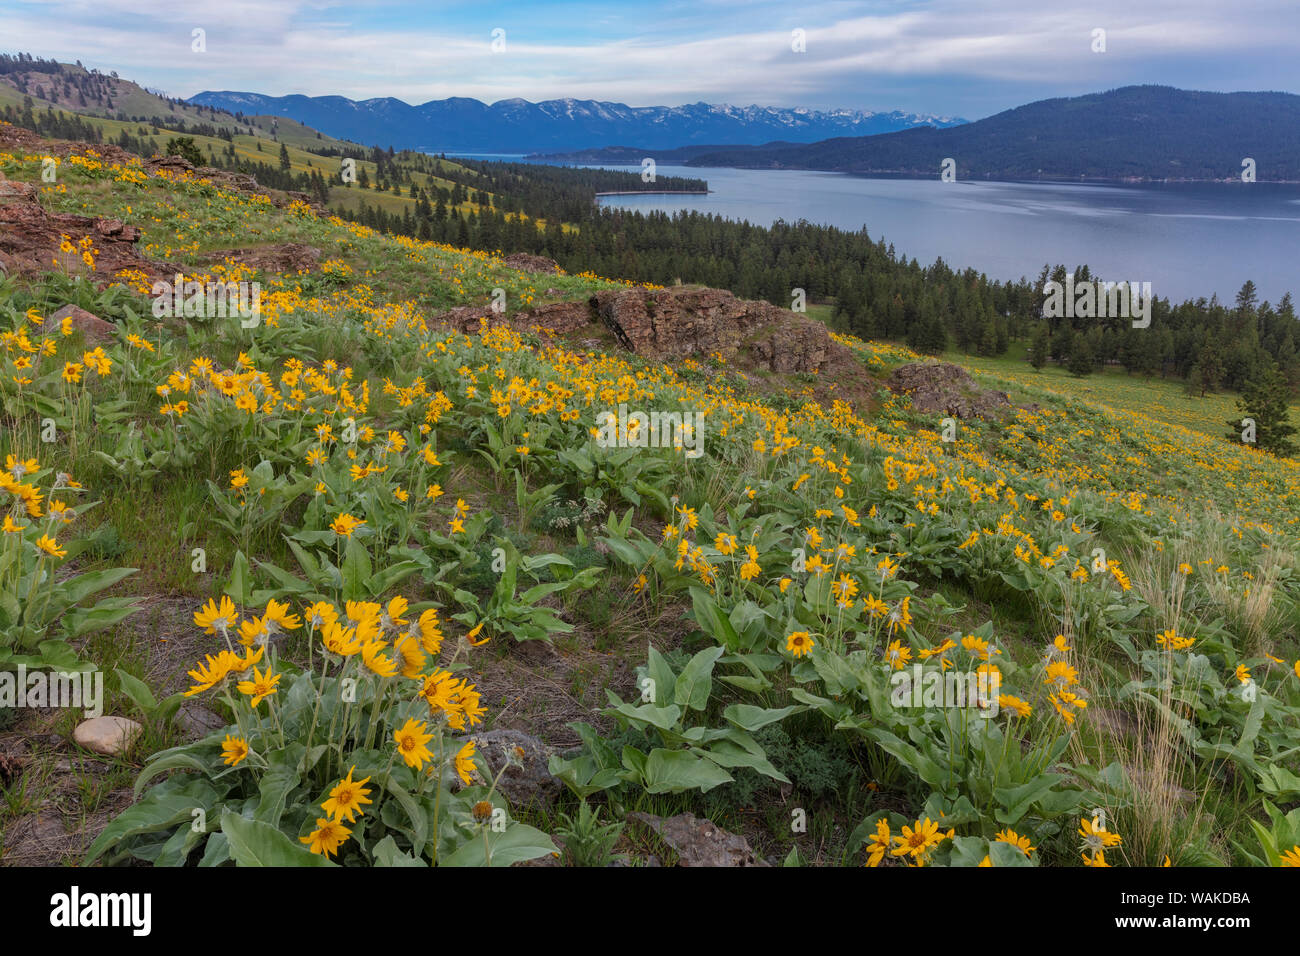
x=944, y=388
x=561, y=318
x=679, y=322
x=526, y=262
x=527, y=782
x=699, y=842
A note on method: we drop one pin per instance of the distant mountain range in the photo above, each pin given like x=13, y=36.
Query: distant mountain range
x=518, y=126
x=1132, y=133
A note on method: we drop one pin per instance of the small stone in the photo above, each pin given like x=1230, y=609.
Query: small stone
x=196, y=721
x=107, y=735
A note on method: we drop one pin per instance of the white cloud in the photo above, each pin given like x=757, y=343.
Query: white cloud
x=296, y=46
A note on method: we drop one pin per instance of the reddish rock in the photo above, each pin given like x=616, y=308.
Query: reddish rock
x=466, y=319
x=94, y=329
x=699, y=842
x=16, y=190
x=673, y=323
x=172, y=164
x=30, y=239
x=561, y=318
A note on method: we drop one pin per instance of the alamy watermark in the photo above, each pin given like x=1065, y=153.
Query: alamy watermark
x=208, y=300
x=1096, y=299
x=932, y=688
x=656, y=429
x=59, y=689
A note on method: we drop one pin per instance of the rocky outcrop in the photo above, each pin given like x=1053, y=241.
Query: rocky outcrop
x=944, y=388
x=526, y=262
x=561, y=318
x=465, y=319
x=286, y=257
x=30, y=238
x=556, y=318
x=674, y=323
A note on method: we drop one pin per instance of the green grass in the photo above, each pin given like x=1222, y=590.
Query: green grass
x=1163, y=399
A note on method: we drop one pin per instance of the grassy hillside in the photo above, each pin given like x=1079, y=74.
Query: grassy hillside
x=262, y=145
x=420, y=535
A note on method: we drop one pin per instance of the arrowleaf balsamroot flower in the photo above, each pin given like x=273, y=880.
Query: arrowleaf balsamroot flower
x=345, y=800
x=799, y=643
x=50, y=546
x=345, y=524
x=412, y=743
x=878, y=844
x=233, y=750
x=216, y=616
x=260, y=687
x=328, y=836
x=465, y=762
x=918, y=840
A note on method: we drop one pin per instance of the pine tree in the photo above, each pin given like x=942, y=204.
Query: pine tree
x=1208, y=370
x=1264, y=402
x=1041, y=346
x=1080, y=361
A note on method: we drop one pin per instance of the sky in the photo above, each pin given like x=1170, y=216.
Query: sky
x=967, y=58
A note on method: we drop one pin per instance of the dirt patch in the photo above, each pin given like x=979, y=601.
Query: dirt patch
x=63, y=796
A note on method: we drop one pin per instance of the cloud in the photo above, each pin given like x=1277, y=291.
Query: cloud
x=951, y=52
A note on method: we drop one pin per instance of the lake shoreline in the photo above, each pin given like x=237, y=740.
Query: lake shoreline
x=656, y=192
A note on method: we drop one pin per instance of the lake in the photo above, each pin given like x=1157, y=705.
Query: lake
x=1188, y=240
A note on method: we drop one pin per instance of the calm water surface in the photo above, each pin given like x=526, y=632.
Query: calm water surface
x=1187, y=240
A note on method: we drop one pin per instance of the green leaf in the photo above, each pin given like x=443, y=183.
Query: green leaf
x=137, y=690
x=386, y=853
x=240, y=585
x=665, y=718
x=356, y=570
x=277, y=783
x=418, y=817
x=1016, y=801
x=517, y=843
x=675, y=771
x=162, y=809
x=82, y=586
x=657, y=670
x=695, y=681
x=253, y=843
x=178, y=758
x=712, y=620
x=751, y=718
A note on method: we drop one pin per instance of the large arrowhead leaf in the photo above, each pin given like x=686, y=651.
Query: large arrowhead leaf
x=696, y=679
x=674, y=771
x=253, y=843
x=518, y=842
